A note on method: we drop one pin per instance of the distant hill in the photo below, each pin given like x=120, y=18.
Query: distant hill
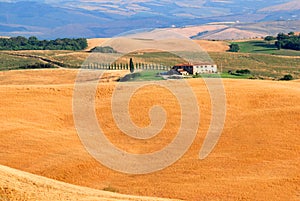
x=79, y=18
x=232, y=34
x=236, y=31
x=289, y=6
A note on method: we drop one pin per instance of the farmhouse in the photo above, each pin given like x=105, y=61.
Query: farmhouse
x=196, y=68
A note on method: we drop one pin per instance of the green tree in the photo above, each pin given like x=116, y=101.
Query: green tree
x=287, y=77
x=32, y=40
x=32, y=43
x=234, y=48
x=279, y=44
x=269, y=38
x=282, y=36
x=131, y=65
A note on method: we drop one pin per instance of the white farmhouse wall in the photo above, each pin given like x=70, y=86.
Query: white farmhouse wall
x=204, y=68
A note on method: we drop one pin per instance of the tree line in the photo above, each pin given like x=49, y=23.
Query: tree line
x=286, y=41
x=33, y=43
x=126, y=66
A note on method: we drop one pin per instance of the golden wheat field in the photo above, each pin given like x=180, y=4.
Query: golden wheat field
x=208, y=46
x=256, y=158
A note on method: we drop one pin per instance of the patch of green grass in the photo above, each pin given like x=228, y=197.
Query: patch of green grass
x=263, y=47
x=11, y=62
x=150, y=75
x=224, y=75
x=257, y=47
x=261, y=65
x=142, y=76
x=236, y=76
x=43, y=53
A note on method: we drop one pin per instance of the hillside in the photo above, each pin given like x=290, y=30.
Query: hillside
x=107, y=19
x=19, y=185
x=289, y=6
x=238, y=30
x=233, y=34
x=257, y=157
x=262, y=59
x=94, y=42
x=213, y=46
x=208, y=46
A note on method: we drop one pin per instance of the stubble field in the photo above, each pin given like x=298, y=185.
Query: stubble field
x=257, y=157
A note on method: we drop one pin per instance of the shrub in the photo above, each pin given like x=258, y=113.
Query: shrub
x=106, y=49
x=269, y=38
x=287, y=77
x=234, y=48
x=129, y=77
x=37, y=66
x=244, y=71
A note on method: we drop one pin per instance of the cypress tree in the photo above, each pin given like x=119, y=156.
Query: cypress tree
x=131, y=65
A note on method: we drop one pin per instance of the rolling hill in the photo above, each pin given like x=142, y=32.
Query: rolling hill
x=53, y=19
x=289, y=6
x=257, y=157
x=237, y=30
x=19, y=185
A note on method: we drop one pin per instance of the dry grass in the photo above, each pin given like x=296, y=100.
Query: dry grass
x=257, y=157
x=213, y=46
x=16, y=185
x=209, y=46
x=94, y=42
x=233, y=34
x=194, y=30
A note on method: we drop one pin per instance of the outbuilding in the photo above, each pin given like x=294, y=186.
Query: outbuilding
x=197, y=68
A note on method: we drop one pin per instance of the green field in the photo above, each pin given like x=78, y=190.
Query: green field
x=10, y=62
x=43, y=53
x=225, y=75
x=262, y=66
x=263, y=47
x=152, y=76
x=149, y=75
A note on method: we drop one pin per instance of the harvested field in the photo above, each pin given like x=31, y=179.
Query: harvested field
x=94, y=42
x=257, y=157
x=18, y=185
x=213, y=46
x=209, y=46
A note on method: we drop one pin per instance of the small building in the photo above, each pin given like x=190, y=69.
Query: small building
x=204, y=68
x=196, y=68
x=183, y=72
x=184, y=67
